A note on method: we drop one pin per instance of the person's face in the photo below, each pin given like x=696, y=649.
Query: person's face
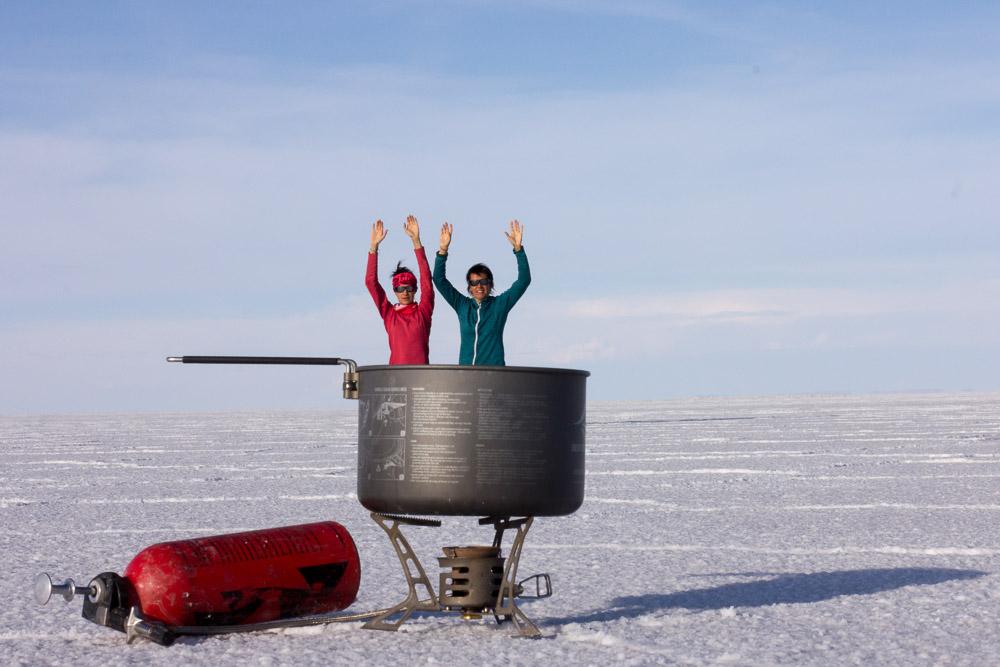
x=480, y=291
x=407, y=296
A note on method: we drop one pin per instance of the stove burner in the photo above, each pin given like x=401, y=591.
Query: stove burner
x=472, y=580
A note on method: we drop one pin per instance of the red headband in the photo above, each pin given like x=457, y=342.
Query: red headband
x=404, y=278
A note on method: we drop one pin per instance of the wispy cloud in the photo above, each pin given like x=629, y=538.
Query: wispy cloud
x=771, y=304
x=654, y=326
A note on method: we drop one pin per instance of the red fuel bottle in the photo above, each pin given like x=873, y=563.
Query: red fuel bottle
x=251, y=577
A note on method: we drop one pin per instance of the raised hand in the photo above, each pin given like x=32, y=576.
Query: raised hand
x=378, y=235
x=412, y=229
x=445, y=241
x=514, y=235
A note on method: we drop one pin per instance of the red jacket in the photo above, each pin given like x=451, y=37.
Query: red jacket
x=409, y=327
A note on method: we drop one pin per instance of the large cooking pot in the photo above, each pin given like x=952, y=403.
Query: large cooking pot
x=462, y=440
x=471, y=440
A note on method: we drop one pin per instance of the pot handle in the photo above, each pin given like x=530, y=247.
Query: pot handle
x=350, y=375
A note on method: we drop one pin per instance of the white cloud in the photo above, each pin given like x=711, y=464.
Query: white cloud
x=654, y=326
x=771, y=305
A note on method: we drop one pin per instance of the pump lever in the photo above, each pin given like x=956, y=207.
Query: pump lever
x=45, y=588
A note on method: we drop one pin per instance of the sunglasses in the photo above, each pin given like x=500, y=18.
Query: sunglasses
x=404, y=288
x=485, y=282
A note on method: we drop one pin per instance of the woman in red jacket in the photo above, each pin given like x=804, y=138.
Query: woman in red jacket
x=408, y=322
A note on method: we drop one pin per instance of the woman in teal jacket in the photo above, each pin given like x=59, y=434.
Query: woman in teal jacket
x=481, y=316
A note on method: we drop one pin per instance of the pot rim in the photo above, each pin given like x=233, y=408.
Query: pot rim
x=476, y=369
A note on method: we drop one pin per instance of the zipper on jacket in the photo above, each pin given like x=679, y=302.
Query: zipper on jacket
x=475, y=340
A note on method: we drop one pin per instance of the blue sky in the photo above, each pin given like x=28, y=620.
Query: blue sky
x=719, y=198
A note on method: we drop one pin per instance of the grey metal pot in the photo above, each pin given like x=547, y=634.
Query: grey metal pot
x=471, y=440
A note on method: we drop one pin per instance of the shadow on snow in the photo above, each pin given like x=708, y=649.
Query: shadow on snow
x=779, y=589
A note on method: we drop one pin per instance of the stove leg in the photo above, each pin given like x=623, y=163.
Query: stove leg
x=505, y=608
x=414, y=571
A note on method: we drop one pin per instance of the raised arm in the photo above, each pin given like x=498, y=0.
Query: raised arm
x=426, y=303
x=444, y=286
x=516, y=291
x=371, y=274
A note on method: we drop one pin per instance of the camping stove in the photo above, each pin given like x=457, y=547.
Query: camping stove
x=476, y=580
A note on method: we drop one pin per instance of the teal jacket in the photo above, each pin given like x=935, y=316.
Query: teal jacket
x=481, y=324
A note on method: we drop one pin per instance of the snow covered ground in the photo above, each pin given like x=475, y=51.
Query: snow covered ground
x=770, y=531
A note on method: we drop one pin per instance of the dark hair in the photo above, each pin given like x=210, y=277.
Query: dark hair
x=401, y=269
x=482, y=270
